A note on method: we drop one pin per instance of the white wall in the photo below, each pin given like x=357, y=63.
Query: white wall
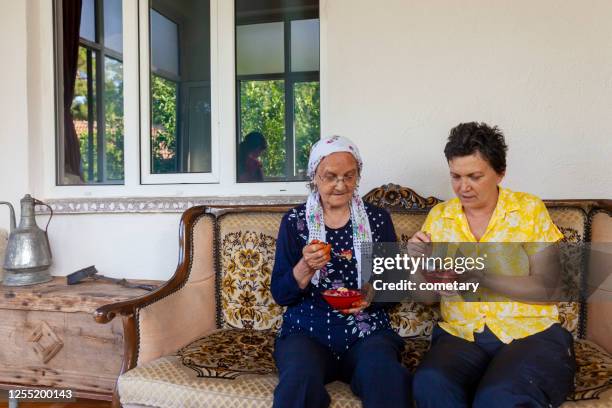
x=396, y=75
x=139, y=246
x=14, y=141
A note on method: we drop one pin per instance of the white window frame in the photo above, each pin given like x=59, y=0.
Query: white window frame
x=145, y=100
x=222, y=182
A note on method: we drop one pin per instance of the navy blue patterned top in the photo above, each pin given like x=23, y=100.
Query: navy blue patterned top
x=307, y=312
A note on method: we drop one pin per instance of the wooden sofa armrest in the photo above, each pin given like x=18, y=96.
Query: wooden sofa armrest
x=129, y=309
x=106, y=313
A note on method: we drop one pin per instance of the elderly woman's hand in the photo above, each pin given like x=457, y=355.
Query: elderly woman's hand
x=314, y=257
x=368, y=295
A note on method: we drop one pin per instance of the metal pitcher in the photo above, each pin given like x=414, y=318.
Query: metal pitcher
x=28, y=255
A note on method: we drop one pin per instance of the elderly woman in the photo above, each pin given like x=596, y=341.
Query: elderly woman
x=511, y=353
x=317, y=344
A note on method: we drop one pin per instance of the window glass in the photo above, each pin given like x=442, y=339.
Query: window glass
x=88, y=20
x=277, y=73
x=180, y=137
x=113, y=25
x=305, y=45
x=164, y=44
x=90, y=86
x=260, y=48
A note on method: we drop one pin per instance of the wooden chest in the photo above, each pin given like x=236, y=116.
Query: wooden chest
x=48, y=337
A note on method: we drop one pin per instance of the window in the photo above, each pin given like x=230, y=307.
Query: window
x=277, y=86
x=146, y=95
x=180, y=87
x=179, y=141
x=89, y=64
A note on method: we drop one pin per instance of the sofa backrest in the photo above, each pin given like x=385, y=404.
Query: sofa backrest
x=572, y=222
x=195, y=293
x=246, y=243
x=599, y=325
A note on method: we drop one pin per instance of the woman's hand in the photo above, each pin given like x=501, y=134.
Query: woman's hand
x=368, y=294
x=314, y=257
x=316, y=254
x=419, y=244
x=473, y=276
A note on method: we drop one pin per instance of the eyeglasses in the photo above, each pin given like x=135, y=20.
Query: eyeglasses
x=331, y=179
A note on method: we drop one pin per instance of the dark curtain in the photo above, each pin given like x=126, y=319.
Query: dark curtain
x=71, y=11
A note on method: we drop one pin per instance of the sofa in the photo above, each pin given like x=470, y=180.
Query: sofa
x=205, y=337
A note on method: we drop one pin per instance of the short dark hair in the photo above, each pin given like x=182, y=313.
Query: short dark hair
x=469, y=138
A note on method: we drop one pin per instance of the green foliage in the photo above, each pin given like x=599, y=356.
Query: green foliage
x=262, y=108
x=79, y=111
x=113, y=117
x=307, y=123
x=163, y=121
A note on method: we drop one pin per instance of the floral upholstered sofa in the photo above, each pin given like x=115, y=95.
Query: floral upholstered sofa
x=205, y=338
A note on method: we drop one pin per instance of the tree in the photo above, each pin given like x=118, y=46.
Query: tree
x=163, y=124
x=262, y=108
x=113, y=116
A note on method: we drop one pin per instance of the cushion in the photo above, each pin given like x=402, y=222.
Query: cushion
x=594, y=371
x=246, y=247
x=206, y=373
x=230, y=353
x=410, y=319
x=413, y=319
x=571, y=221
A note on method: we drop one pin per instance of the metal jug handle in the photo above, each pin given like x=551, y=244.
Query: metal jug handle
x=38, y=202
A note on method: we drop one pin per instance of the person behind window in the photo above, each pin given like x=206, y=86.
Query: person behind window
x=316, y=343
x=506, y=353
x=250, y=169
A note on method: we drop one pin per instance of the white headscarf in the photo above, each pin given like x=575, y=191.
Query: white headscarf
x=314, y=210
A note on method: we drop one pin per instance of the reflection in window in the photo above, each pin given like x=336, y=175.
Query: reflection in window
x=260, y=48
x=180, y=86
x=90, y=79
x=262, y=109
x=306, y=122
x=277, y=72
x=113, y=26
x=163, y=125
x=305, y=45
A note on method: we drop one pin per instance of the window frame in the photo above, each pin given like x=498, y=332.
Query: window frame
x=289, y=78
x=146, y=175
x=46, y=122
x=98, y=47
x=165, y=75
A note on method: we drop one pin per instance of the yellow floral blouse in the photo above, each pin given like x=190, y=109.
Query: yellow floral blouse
x=518, y=217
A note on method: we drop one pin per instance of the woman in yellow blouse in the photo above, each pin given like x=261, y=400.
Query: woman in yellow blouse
x=511, y=353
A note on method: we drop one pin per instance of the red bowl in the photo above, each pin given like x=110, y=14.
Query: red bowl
x=341, y=299
x=441, y=276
